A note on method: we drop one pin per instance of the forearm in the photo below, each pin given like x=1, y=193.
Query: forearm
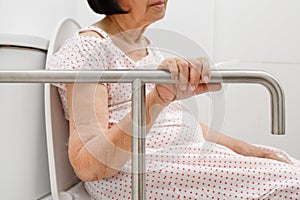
x=239, y=146
x=103, y=153
x=154, y=105
x=222, y=139
x=120, y=135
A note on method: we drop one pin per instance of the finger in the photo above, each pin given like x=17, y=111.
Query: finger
x=205, y=73
x=211, y=87
x=170, y=65
x=195, y=74
x=275, y=157
x=184, y=71
x=201, y=88
x=271, y=155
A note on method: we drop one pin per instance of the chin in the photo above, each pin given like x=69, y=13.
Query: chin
x=159, y=16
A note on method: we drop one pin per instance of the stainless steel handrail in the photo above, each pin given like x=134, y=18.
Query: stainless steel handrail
x=157, y=76
x=139, y=78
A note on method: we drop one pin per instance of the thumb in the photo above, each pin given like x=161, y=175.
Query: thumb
x=202, y=88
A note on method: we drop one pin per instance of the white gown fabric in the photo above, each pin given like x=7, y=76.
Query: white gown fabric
x=180, y=163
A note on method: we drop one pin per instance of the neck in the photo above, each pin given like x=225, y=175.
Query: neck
x=125, y=29
x=124, y=35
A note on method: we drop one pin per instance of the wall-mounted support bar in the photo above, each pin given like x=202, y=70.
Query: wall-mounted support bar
x=269, y=82
x=138, y=140
x=157, y=76
x=138, y=78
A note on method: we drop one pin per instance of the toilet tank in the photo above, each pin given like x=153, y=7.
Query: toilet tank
x=23, y=151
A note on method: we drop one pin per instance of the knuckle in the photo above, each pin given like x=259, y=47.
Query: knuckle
x=199, y=66
x=194, y=76
x=202, y=59
x=169, y=61
x=184, y=71
x=195, y=66
x=204, y=62
x=172, y=61
x=183, y=63
x=169, y=64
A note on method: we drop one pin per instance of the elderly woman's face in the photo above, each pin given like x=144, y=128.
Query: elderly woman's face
x=147, y=11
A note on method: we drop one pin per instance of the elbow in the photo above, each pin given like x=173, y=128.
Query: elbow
x=84, y=169
x=89, y=175
x=88, y=169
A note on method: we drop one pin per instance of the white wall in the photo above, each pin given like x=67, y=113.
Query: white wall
x=257, y=30
x=34, y=17
x=264, y=35
x=193, y=19
x=84, y=15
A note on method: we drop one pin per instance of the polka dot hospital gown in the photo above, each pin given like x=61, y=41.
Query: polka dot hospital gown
x=180, y=163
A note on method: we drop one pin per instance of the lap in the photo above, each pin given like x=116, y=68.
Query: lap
x=209, y=171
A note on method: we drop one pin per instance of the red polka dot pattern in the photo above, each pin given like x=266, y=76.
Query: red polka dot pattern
x=180, y=163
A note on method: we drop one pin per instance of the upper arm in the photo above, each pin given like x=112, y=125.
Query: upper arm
x=88, y=107
x=88, y=117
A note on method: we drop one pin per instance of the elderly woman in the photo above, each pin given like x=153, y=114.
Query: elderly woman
x=183, y=160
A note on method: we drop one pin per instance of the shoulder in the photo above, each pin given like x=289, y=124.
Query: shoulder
x=87, y=39
x=93, y=32
x=90, y=33
x=84, y=50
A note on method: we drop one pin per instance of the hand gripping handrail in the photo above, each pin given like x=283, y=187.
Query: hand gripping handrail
x=138, y=78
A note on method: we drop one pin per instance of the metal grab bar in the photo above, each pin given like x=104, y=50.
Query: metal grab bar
x=139, y=78
x=159, y=76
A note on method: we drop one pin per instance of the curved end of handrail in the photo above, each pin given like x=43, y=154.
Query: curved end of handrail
x=262, y=78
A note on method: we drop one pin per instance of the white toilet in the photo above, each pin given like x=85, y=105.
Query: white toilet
x=24, y=165
x=64, y=183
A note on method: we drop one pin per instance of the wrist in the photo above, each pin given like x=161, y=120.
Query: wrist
x=243, y=148
x=157, y=99
x=154, y=105
x=235, y=145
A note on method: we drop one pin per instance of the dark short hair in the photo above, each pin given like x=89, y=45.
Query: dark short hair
x=106, y=7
